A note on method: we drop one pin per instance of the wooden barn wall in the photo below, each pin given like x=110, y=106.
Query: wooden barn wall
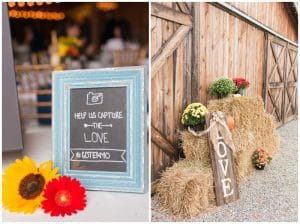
x=227, y=47
x=170, y=91
x=219, y=45
x=271, y=14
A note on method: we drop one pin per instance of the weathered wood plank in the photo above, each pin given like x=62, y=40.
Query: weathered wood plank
x=195, y=77
x=158, y=139
x=159, y=59
x=179, y=89
x=170, y=14
x=156, y=102
x=168, y=88
x=203, y=26
x=183, y=7
x=224, y=173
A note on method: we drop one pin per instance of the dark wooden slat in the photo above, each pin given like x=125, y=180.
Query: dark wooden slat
x=167, y=13
x=164, y=144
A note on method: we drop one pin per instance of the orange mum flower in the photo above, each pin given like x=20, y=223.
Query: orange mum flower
x=63, y=196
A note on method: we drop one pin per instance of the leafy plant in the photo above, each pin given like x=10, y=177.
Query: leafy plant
x=222, y=87
x=260, y=158
x=194, y=116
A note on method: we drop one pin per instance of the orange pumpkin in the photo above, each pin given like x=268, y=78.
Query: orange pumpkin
x=230, y=122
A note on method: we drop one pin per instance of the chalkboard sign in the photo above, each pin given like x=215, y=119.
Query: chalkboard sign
x=99, y=127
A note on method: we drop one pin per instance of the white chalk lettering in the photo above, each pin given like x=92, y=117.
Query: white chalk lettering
x=96, y=137
x=226, y=186
x=92, y=115
x=224, y=149
x=110, y=115
x=95, y=155
x=79, y=115
x=224, y=168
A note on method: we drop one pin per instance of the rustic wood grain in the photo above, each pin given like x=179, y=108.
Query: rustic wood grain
x=168, y=13
x=168, y=85
x=275, y=78
x=183, y=7
x=185, y=61
x=169, y=47
x=158, y=139
x=272, y=14
x=218, y=174
x=168, y=80
x=195, y=76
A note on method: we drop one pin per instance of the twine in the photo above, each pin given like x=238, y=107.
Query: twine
x=213, y=129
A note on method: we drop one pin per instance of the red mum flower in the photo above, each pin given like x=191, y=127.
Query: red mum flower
x=63, y=196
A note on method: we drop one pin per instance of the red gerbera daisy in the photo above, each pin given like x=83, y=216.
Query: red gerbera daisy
x=63, y=196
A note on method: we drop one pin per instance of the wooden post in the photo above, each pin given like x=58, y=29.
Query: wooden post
x=225, y=181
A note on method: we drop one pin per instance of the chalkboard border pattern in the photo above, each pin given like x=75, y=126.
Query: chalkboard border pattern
x=133, y=78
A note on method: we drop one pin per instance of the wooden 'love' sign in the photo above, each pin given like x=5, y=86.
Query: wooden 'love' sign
x=99, y=127
x=221, y=146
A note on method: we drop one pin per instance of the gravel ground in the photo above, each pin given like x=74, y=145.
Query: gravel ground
x=269, y=195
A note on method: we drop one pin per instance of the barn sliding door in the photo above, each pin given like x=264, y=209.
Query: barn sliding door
x=170, y=79
x=290, y=90
x=281, y=80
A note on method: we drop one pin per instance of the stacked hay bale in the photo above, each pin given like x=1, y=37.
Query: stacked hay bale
x=186, y=188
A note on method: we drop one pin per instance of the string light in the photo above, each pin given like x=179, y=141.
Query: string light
x=42, y=15
x=30, y=4
x=11, y=4
x=21, y=4
x=107, y=6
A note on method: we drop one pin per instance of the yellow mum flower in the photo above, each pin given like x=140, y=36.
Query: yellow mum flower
x=23, y=183
x=196, y=110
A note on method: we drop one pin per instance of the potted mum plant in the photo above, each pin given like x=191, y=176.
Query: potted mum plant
x=194, y=116
x=241, y=85
x=260, y=159
x=222, y=87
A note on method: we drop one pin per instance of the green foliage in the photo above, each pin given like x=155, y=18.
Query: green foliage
x=222, y=87
x=194, y=114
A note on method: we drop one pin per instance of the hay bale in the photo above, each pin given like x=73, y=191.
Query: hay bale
x=254, y=128
x=195, y=148
x=186, y=189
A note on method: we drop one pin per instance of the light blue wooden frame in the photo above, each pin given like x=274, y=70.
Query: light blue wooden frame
x=133, y=78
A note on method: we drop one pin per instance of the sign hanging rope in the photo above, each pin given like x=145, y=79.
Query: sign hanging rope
x=217, y=124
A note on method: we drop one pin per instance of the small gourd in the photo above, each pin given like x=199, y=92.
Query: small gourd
x=230, y=122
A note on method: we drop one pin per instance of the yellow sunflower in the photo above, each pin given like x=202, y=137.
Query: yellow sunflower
x=23, y=183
